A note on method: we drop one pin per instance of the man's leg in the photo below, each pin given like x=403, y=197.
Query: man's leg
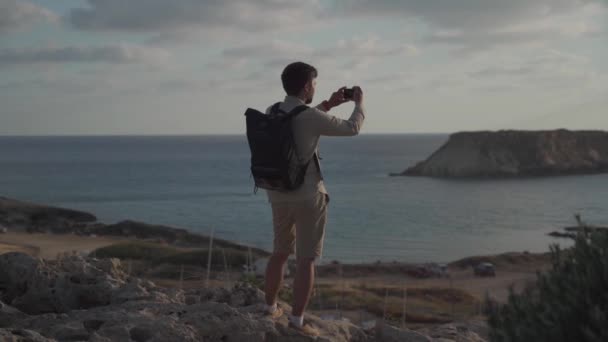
x=303, y=284
x=311, y=217
x=274, y=276
x=283, y=221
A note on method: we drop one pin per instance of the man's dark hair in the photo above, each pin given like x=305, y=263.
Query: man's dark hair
x=295, y=76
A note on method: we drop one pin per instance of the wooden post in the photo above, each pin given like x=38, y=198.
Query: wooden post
x=247, y=262
x=209, y=257
x=249, y=258
x=452, y=301
x=225, y=264
x=181, y=277
x=385, y=302
x=404, y=305
x=341, y=289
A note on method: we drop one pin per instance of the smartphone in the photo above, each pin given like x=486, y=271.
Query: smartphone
x=349, y=93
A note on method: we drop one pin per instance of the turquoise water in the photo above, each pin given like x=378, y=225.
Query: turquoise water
x=203, y=182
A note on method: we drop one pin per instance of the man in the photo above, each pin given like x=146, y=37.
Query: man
x=299, y=216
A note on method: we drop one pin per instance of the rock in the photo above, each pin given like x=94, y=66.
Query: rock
x=143, y=290
x=22, y=335
x=458, y=332
x=453, y=332
x=242, y=294
x=516, y=154
x=388, y=333
x=190, y=300
x=87, y=299
x=17, y=268
x=37, y=286
x=9, y=315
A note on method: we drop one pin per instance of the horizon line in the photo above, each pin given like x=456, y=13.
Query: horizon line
x=189, y=134
x=244, y=134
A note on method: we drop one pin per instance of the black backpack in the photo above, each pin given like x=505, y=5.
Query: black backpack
x=275, y=164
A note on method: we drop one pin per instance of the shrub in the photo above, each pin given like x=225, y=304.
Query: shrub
x=567, y=303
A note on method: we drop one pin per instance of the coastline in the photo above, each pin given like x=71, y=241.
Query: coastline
x=174, y=259
x=57, y=236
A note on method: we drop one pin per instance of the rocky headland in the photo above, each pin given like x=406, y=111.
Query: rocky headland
x=512, y=153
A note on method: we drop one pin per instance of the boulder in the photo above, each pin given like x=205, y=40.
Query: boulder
x=22, y=335
x=456, y=332
x=389, y=333
x=9, y=315
x=37, y=286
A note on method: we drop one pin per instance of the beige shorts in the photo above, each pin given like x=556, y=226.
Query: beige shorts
x=300, y=226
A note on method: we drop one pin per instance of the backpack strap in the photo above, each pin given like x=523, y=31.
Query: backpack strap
x=315, y=158
x=292, y=114
x=274, y=110
x=296, y=111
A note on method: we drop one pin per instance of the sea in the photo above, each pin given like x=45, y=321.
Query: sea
x=203, y=183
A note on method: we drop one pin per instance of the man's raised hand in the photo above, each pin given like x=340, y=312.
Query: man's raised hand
x=337, y=98
x=357, y=95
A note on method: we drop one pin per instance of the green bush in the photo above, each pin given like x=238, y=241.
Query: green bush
x=252, y=279
x=199, y=257
x=568, y=303
x=158, y=254
x=134, y=250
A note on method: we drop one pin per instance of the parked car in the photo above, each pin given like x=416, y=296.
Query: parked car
x=485, y=269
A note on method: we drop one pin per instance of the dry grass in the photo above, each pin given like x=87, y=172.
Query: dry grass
x=157, y=254
x=423, y=305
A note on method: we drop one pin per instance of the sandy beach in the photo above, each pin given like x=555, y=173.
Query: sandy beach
x=48, y=246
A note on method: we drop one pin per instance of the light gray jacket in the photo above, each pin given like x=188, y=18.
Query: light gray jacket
x=308, y=127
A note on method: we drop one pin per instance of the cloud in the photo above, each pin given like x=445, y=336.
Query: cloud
x=370, y=46
x=55, y=86
x=265, y=49
x=535, y=72
x=16, y=14
x=118, y=54
x=473, y=25
x=465, y=14
x=549, y=62
x=467, y=42
x=162, y=15
x=467, y=25
x=357, y=52
x=269, y=54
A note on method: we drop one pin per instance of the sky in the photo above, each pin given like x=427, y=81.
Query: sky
x=78, y=67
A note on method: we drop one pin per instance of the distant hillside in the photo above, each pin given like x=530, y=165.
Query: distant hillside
x=31, y=217
x=517, y=154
